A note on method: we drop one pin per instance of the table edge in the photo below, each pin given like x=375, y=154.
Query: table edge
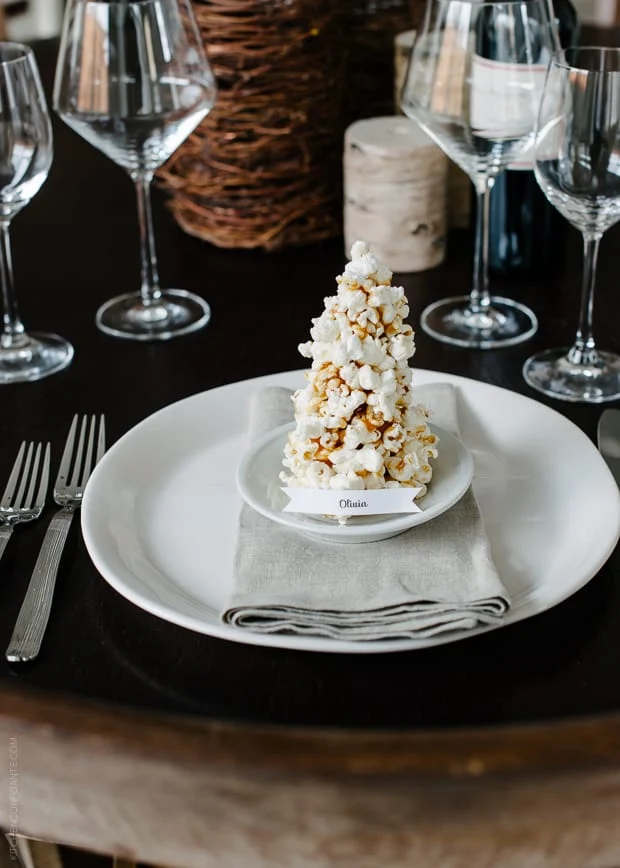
x=565, y=744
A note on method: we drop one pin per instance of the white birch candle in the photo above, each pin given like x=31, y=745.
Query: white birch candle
x=395, y=192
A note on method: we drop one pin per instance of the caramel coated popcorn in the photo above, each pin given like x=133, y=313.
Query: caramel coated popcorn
x=357, y=426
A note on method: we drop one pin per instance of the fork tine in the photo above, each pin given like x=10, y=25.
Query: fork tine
x=12, y=483
x=45, y=479
x=18, y=500
x=65, y=463
x=89, y=451
x=77, y=466
x=27, y=503
x=100, y=440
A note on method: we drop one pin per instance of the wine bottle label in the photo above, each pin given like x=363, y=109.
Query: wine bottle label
x=545, y=145
x=505, y=98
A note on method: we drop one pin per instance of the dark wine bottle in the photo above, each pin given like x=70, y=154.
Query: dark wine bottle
x=527, y=235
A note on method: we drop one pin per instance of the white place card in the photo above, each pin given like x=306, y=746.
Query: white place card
x=322, y=501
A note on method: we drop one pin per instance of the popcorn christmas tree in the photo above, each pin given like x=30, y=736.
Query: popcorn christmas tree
x=357, y=426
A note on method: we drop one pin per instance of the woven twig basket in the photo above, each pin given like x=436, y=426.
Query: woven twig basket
x=263, y=169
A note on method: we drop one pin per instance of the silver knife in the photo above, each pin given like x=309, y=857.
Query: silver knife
x=608, y=438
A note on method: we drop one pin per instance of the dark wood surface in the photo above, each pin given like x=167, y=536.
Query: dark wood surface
x=75, y=246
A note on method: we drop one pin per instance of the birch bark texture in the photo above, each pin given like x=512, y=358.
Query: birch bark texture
x=395, y=193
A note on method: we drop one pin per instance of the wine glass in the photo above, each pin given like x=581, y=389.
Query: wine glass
x=25, y=158
x=474, y=83
x=577, y=164
x=132, y=78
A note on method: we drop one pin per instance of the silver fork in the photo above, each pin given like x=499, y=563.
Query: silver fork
x=19, y=504
x=68, y=492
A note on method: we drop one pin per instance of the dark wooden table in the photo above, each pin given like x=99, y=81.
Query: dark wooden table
x=114, y=683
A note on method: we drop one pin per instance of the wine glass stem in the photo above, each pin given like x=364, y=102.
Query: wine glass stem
x=479, y=299
x=583, y=351
x=149, y=290
x=13, y=334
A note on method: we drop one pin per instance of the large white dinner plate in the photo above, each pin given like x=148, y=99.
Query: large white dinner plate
x=160, y=511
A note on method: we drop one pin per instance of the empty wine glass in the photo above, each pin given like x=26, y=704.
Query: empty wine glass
x=132, y=78
x=577, y=165
x=25, y=158
x=474, y=82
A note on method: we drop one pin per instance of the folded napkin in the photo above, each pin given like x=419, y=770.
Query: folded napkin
x=433, y=578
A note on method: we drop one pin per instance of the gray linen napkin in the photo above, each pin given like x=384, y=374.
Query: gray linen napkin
x=433, y=578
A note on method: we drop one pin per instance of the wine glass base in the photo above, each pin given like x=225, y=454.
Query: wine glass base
x=35, y=355
x=551, y=373
x=175, y=313
x=503, y=324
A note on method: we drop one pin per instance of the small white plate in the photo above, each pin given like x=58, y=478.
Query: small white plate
x=258, y=483
x=161, y=509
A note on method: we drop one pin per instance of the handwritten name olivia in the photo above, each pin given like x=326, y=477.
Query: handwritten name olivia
x=352, y=504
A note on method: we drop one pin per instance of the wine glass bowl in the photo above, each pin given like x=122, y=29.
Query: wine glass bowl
x=133, y=80
x=473, y=84
x=577, y=165
x=26, y=152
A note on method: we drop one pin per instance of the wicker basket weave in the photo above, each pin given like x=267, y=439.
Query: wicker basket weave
x=264, y=169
